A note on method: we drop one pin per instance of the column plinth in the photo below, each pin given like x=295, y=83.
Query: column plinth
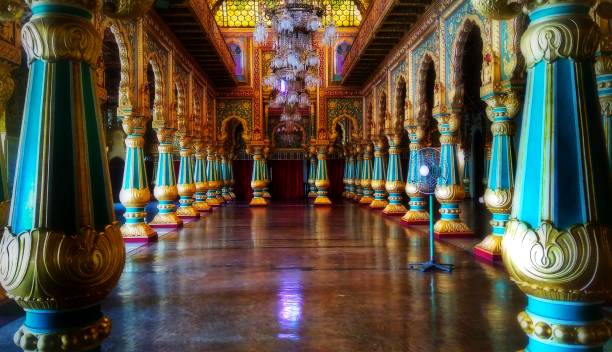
x=322, y=180
x=366, y=177
x=417, y=214
x=379, y=177
x=165, y=190
x=394, y=184
x=258, y=181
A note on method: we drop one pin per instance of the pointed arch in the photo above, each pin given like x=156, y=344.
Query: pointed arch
x=428, y=61
x=159, y=103
x=344, y=117
x=226, y=125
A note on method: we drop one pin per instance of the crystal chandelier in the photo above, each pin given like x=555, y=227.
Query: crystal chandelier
x=295, y=64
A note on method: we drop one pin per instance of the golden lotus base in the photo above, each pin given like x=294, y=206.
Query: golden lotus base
x=232, y=195
x=138, y=232
x=378, y=204
x=166, y=221
x=213, y=202
x=267, y=195
x=258, y=202
x=490, y=248
x=357, y=198
x=350, y=195
x=366, y=200
x=322, y=201
x=413, y=217
x=187, y=213
x=312, y=194
x=201, y=207
x=221, y=200
x=452, y=229
x=395, y=210
x=227, y=197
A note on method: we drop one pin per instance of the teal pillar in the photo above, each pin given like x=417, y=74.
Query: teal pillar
x=219, y=172
x=394, y=184
x=417, y=214
x=467, y=165
x=350, y=175
x=556, y=247
x=358, y=191
x=199, y=178
x=212, y=177
x=449, y=190
x=498, y=195
x=225, y=173
x=165, y=190
x=267, y=177
x=322, y=180
x=258, y=180
x=62, y=252
x=379, y=176
x=347, y=171
x=186, y=184
x=366, y=176
x=312, y=174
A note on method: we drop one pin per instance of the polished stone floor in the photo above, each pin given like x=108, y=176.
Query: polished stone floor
x=297, y=278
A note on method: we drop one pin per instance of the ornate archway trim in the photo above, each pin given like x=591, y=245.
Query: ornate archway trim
x=336, y=121
x=246, y=133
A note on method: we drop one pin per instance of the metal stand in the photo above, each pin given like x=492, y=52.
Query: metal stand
x=431, y=264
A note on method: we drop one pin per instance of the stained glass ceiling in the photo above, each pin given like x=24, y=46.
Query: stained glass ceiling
x=244, y=13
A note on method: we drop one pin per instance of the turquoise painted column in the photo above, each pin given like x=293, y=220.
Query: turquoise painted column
x=395, y=180
x=225, y=172
x=366, y=176
x=322, y=180
x=258, y=181
x=165, y=190
x=467, y=164
x=556, y=247
x=186, y=185
x=312, y=174
x=603, y=71
x=379, y=175
x=62, y=252
x=350, y=174
x=498, y=195
x=347, y=171
x=449, y=190
x=220, y=177
x=199, y=178
x=212, y=177
x=418, y=214
x=358, y=158
x=7, y=86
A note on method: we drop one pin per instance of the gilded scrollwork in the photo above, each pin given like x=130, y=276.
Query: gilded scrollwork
x=497, y=9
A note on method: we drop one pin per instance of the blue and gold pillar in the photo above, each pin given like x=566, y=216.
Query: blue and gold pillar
x=348, y=170
x=556, y=247
x=418, y=214
x=165, y=190
x=219, y=171
x=232, y=179
x=62, y=252
x=267, y=175
x=395, y=180
x=312, y=175
x=225, y=173
x=186, y=185
x=358, y=158
x=199, y=178
x=258, y=180
x=379, y=175
x=366, y=175
x=449, y=190
x=212, y=177
x=498, y=195
x=467, y=164
x=322, y=180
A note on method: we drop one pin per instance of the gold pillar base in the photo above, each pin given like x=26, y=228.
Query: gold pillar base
x=138, y=232
x=395, y=210
x=378, y=204
x=227, y=197
x=201, y=206
x=167, y=220
x=490, y=248
x=452, y=229
x=232, y=195
x=220, y=199
x=322, y=200
x=267, y=195
x=415, y=217
x=312, y=194
x=350, y=195
x=187, y=212
x=366, y=200
x=357, y=197
x=258, y=202
x=213, y=202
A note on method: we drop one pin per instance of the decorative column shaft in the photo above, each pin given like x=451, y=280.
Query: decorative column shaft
x=199, y=178
x=62, y=251
x=322, y=180
x=350, y=175
x=312, y=175
x=357, y=174
x=347, y=173
x=449, y=190
x=225, y=173
x=366, y=176
x=212, y=178
x=135, y=193
x=379, y=176
x=232, y=179
x=219, y=171
x=186, y=185
x=7, y=86
x=556, y=247
x=467, y=164
x=165, y=190
x=395, y=180
x=258, y=181
x=267, y=177
x=498, y=195
x=418, y=213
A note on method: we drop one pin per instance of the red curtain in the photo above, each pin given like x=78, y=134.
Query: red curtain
x=243, y=170
x=335, y=172
x=287, y=179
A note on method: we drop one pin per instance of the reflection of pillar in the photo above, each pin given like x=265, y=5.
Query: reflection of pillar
x=322, y=180
x=186, y=185
x=219, y=176
x=312, y=175
x=357, y=174
x=135, y=194
x=165, y=190
x=366, y=176
x=498, y=196
x=603, y=69
x=379, y=176
x=395, y=180
x=556, y=247
x=449, y=190
x=466, y=173
x=212, y=178
x=63, y=252
x=7, y=85
x=225, y=172
x=199, y=178
x=417, y=213
x=258, y=181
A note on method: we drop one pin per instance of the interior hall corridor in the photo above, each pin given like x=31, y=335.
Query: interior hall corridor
x=293, y=277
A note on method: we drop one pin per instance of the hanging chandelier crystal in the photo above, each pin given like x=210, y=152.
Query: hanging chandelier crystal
x=295, y=64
